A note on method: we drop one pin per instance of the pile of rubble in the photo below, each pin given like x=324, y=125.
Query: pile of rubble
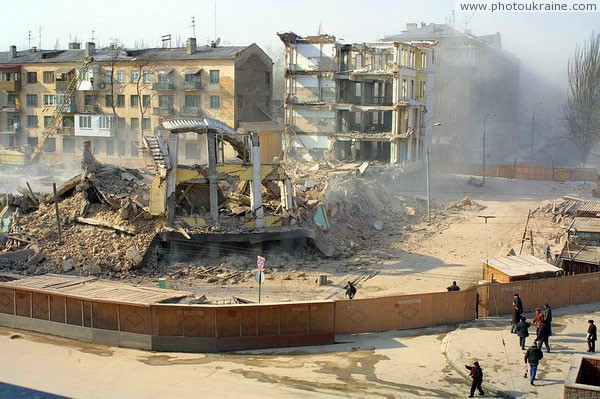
x=103, y=225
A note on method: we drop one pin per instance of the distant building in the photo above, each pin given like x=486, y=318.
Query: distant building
x=506, y=269
x=357, y=101
x=144, y=87
x=474, y=77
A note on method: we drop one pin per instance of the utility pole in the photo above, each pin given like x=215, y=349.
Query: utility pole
x=486, y=217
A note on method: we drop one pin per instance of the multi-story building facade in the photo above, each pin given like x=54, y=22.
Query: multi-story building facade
x=125, y=94
x=474, y=77
x=357, y=101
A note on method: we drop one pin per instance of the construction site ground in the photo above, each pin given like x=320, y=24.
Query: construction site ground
x=409, y=255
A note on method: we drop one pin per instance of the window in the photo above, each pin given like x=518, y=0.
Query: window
x=108, y=76
x=134, y=123
x=50, y=145
x=357, y=89
x=192, y=101
x=192, y=77
x=68, y=121
x=59, y=99
x=48, y=121
x=146, y=100
x=412, y=89
x=134, y=76
x=214, y=76
x=146, y=123
x=165, y=77
x=31, y=77
x=165, y=101
x=48, y=77
x=134, y=100
x=147, y=77
x=376, y=118
x=109, y=100
x=134, y=149
x=357, y=118
x=68, y=145
x=120, y=100
x=267, y=78
x=32, y=121
x=424, y=60
x=32, y=100
x=121, y=76
x=240, y=101
x=48, y=100
x=105, y=122
x=215, y=102
x=358, y=61
x=121, y=148
x=121, y=123
x=404, y=89
x=85, y=122
x=110, y=147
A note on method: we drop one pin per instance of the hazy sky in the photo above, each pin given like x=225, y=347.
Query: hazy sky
x=543, y=41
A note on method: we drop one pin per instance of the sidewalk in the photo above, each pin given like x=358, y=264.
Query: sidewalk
x=490, y=342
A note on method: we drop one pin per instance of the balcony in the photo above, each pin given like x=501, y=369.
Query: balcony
x=162, y=111
x=11, y=107
x=191, y=86
x=163, y=86
x=66, y=131
x=10, y=85
x=191, y=111
x=70, y=109
x=62, y=85
x=90, y=109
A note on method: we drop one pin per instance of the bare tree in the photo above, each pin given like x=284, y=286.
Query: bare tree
x=117, y=85
x=582, y=112
x=143, y=84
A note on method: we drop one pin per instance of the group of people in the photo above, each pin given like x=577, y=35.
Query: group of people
x=543, y=323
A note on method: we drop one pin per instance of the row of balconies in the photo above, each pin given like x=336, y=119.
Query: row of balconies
x=157, y=86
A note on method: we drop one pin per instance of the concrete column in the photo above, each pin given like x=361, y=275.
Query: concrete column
x=212, y=175
x=172, y=177
x=256, y=187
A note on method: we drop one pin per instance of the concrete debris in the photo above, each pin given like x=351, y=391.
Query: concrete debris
x=67, y=265
x=410, y=211
x=93, y=270
x=134, y=256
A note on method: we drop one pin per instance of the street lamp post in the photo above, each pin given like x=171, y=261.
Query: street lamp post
x=484, y=119
x=427, y=173
x=533, y=124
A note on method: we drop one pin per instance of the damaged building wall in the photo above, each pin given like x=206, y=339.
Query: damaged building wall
x=364, y=98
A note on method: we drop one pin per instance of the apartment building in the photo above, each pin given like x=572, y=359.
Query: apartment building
x=474, y=77
x=125, y=94
x=357, y=101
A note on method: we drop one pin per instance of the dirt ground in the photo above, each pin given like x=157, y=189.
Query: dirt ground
x=413, y=257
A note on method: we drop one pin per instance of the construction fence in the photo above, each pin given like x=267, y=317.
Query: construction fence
x=210, y=328
x=519, y=172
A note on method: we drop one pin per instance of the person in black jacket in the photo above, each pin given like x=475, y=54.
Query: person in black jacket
x=592, y=336
x=547, y=312
x=533, y=357
x=476, y=375
x=543, y=335
x=523, y=331
x=350, y=290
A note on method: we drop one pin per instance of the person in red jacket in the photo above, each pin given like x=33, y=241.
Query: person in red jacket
x=476, y=378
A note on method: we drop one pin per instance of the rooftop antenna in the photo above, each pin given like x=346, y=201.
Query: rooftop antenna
x=29, y=39
x=194, y=26
x=93, y=37
x=166, y=39
x=453, y=19
x=320, y=28
x=40, y=37
x=215, y=36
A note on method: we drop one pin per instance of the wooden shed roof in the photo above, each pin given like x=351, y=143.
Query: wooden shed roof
x=520, y=265
x=92, y=288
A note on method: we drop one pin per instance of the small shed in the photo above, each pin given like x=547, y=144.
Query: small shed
x=506, y=269
x=580, y=259
x=585, y=231
x=589, y=209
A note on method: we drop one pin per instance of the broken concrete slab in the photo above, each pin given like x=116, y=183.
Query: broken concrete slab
x=67, y=265
x=92, y=269
x=16, y=256
x=134, y=256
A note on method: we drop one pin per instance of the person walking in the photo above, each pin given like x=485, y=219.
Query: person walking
x=523, y=331
x=538, y=320
x=592, y=336
x=533, y=357
x=543, y=335
x=547, y=312
x=518, y=303
x=517, y=311
x=350, y=290
x=476, y=374
x=516, y=318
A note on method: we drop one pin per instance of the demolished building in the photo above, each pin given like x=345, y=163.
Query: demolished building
x=357, y=101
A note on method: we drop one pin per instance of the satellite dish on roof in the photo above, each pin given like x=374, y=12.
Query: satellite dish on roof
x=217, y=42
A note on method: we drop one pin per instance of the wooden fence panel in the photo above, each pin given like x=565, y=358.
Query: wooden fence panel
x=58, y=309
x=7, y=301
x=585, y=288
x=322, y=317
x=40, y=306
x=249, y=321
x=406, y=311
x=502, y=296
x=554, y=291
x=483, y=297
x=268, y=320
x=167, y=321
x=229, y=322
x=74, y=312
x=135, y=319
x=23, y=303
x=563, y=174
x=105, y=316
x=542, y=173
x=198, y=322
x=358, y=315
x=585, y=174
x=294, y=319
x=454, y=307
